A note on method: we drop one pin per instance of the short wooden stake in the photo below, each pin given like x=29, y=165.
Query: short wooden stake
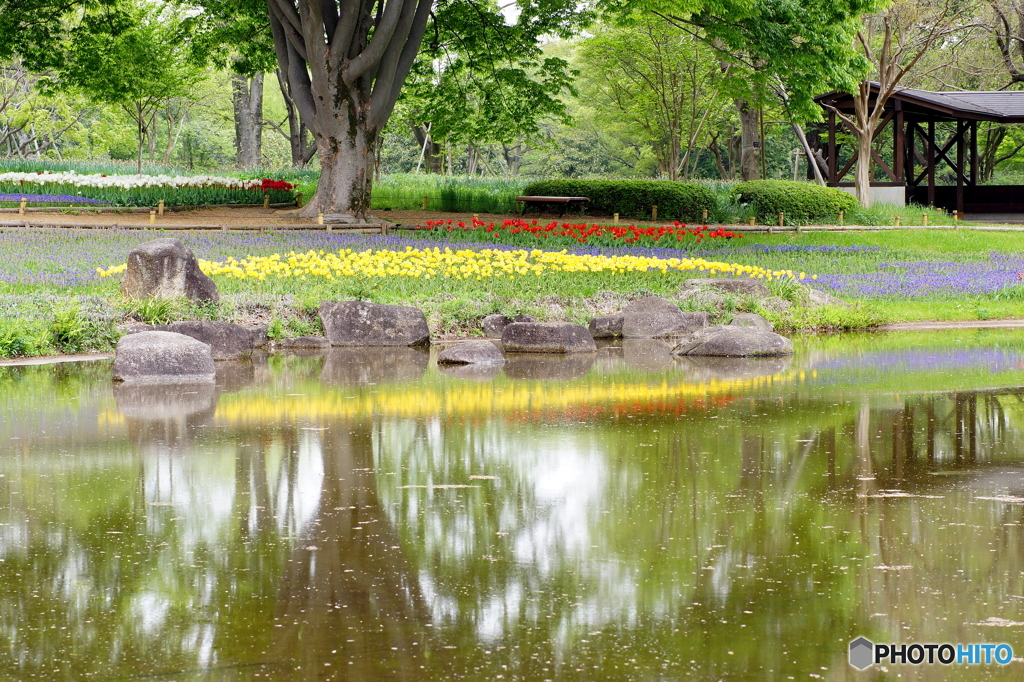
x=425, y=200
x=319, y=218
x=160, y=208
x=897, y=222
x=751, y=222
x=266, y=201
x=21, y=207
x=298, y=200
x=782, y=218
x=654, y=212
x=704, y=215
x=840, y=217
x=152, y=217
x=615, y=218
x=476, y=216
x=956, y=216
x=924, y=219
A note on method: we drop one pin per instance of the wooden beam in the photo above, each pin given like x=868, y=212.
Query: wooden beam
x=899, y=154
x=885, y=167
x=974, y=154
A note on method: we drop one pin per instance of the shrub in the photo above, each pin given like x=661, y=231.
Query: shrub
x=798, y=200
x=632, y=198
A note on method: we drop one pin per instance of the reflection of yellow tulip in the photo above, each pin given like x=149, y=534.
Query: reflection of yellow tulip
x=460, y=264
x=476, y=399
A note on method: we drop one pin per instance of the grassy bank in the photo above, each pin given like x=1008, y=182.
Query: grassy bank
x=53, y=301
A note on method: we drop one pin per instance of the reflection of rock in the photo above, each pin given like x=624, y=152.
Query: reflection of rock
x=471, y=353
x=546, y=367
x=234, y=375
x=165, y=414
x=652, y=355
x=737, y=342
x=162, y=357
x=547, y=337
x=471, y=372
x=703, y=369
x=358, y=323
x=166, y=268
x=360, y=366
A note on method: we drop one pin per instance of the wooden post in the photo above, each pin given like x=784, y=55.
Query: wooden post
x=841, y=217
x=152, y=217
x=21, y=206
x=615, y=218
x=160, y=208
x=924, y=219
x=782, y=218
x=751, y=222
x=704, y=216
x=974, y=153
x=961, y=131
x=832, y=168
x=654, y=212
x=266, y=200
x=319, y=218
x=899, y=154
x=425, y=200
x=931, y=161
x=298, y=200
x=897, y=221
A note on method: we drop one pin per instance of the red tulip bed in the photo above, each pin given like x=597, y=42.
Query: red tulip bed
x=519, y=232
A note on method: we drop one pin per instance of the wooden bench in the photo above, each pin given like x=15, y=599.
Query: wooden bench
x=566, y=202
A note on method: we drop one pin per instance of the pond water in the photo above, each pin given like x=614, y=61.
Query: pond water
x=361, y=515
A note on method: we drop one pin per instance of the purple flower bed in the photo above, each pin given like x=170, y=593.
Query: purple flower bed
x=50, y=199
x=925, y=278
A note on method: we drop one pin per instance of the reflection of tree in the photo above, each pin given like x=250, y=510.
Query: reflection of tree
x=348, y=597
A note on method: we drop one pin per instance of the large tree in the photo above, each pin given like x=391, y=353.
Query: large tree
x=346, y=62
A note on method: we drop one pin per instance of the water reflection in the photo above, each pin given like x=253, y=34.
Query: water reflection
x=361, y=366
x=548, y=367
x=636, y=521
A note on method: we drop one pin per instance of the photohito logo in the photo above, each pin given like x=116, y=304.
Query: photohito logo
x=864, y=653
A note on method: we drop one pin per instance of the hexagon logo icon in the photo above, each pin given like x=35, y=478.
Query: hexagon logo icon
x=861, y=653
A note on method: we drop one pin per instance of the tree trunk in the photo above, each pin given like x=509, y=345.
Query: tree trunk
x=298, y=133
x=433, y=159
x=347, y=154
x=247, y=98
x=472, y=159
x=750, y=146
x=863, y=177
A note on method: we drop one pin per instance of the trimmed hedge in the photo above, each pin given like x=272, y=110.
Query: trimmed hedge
x=798, y=200
x=632, y=198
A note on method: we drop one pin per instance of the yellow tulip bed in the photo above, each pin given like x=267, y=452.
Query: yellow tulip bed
x=459, y=264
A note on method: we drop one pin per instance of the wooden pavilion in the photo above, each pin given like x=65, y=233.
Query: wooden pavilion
x=918, y=154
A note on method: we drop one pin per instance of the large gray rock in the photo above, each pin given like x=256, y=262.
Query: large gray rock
x=227, y=341
x=753, y=321
x=162, y=357
x=358, y=323
x=606, y=326
x=547, y=337
x=471, y=353
x=653, y=317
x=166, y=268
x=819, y=298
x=494, y=325
x=743, y=286
x=735, y=342
x=524, y=318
